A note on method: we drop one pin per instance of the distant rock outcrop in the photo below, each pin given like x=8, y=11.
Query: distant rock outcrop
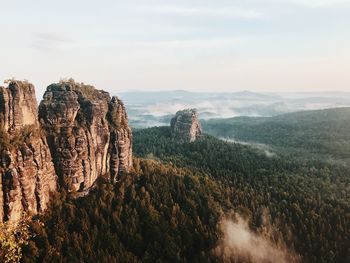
x=185, y=126
x=27, y=174
x=78, y=134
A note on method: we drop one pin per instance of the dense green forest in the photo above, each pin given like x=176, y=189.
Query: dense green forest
x=321, y=133
x=169, y=208
x=160, y=213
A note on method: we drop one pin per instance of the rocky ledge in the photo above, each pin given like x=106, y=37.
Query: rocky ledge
x=185, y=126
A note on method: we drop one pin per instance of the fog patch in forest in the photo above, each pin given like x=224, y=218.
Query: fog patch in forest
x=241, y=244
x=264, y=148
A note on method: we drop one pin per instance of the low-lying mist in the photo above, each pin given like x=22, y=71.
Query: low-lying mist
x=263, y=148
x=241, y=244
x=223, y=105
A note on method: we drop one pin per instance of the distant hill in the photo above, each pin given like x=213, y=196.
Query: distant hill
x=324, y=132
x=148, y=109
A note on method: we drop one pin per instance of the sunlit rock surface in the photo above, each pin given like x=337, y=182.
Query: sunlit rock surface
x=78, y=134
x=27, y=174
x=87, y=132
x=185, y=126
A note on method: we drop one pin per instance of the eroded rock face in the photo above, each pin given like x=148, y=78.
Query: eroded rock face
x=85, y=133
x=18, y=106
x=78, y=134
x=185, y=126
x=27, y=173
x=121, y=139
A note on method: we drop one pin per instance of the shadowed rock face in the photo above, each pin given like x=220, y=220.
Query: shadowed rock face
x=185, y=126
x=27, y=174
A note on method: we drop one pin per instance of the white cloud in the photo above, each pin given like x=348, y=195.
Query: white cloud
x=208, y=12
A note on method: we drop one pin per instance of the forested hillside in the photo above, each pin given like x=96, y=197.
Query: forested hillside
x=170, y=208
x=304, y=195
x=322, y=132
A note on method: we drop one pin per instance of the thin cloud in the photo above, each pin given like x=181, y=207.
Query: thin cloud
x=315, y=3
x=190, y=43
x=48, y=41
x=206, y=12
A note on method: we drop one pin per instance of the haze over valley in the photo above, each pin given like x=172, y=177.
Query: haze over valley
x=147, y=109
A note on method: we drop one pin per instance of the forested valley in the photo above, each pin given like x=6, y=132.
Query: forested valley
x=170, y=207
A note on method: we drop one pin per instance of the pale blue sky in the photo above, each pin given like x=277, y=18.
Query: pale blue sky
x=217, y=45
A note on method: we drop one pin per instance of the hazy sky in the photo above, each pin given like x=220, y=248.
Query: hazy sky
x=218, y=45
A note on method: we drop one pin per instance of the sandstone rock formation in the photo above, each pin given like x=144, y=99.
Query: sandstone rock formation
x=18, y=106
x=78, y=134
x=27, y=173
x=87, y=132
x=185, y=126
x=120, y=147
